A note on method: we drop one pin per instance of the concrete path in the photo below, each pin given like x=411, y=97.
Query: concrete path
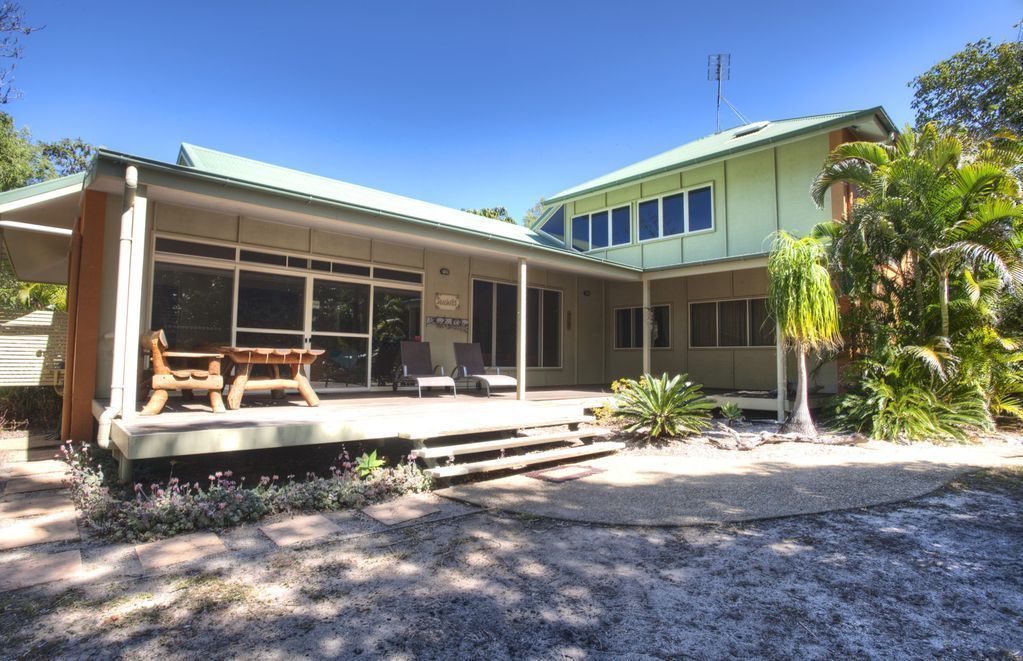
x=771, y=481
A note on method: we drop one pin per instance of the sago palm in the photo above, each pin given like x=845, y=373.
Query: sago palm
x=803, y=302
x=663, y=406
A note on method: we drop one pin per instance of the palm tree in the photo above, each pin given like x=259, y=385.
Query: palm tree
x=929, y=206
x=804, y=304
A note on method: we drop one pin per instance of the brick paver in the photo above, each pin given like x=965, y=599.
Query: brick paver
x=23, y=468
x=56, y=527
x=36, y=503
x=300, y=529
x=30, y=483
x=184, y=548
x=403, y=509
x=34, y=570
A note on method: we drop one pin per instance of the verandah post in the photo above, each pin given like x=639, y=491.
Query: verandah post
x=520, y=332
x=648, y=327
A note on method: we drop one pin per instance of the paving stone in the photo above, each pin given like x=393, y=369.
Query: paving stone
x=36, y=503
x=58, y=527
x=23, y=468
x=184, y=548
x=300, y=529
x=403, y=509
x=30, y=483
x=35, y=570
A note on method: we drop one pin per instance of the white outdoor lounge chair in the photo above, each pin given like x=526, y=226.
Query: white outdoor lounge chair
x=469, y=358
x=416, y=365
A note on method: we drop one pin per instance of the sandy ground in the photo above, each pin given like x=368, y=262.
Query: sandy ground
x=938, y=576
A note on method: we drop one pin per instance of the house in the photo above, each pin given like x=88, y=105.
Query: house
x=218, y=249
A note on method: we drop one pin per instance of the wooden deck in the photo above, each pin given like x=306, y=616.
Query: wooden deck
x=186, y=428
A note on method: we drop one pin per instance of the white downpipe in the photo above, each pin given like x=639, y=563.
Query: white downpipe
x=131, y=180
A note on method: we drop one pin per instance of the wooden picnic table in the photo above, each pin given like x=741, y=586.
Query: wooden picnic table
x=245, y=358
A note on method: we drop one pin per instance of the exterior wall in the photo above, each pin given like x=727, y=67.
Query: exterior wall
x=751, y=368
x=578, y=310
x=755, y=194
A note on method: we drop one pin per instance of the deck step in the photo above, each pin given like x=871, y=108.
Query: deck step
x=520, y=461
x=484, y=428
x=505, y=443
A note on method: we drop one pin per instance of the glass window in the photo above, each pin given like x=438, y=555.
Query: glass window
x=649, y=219
x=268, y=300
x=504, y=328
x=263, y=258
x=494, y=313
x=551, y=329
x=701, y=214
x=340, y=307
x=483, y=318
x=662, y=327
x=555, y=225
x=343, y=362
x=321, y=266
x=396, y=317
x=621, y=226
x=629, y=328
x=192, y=305
x=533, y=335
x=761, y=324
x=195, y=249
x=298, y=263
x=598, y=230
x=674, y=214
x=623, y=328
x=581, y=233
x=352, y=269
x=386, y=274
x=703, y=326
x=732, y=324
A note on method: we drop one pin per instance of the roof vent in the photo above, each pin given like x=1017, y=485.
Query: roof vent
x=750, y=129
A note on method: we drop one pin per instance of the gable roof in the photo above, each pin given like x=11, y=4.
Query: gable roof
x=248, y=170
x=726, y=142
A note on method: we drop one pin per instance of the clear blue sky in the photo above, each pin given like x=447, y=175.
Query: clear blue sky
x=466, y=104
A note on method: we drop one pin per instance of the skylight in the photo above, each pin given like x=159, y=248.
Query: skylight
x=749, y=129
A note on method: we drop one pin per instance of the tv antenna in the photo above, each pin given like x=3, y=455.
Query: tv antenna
x=719, y=68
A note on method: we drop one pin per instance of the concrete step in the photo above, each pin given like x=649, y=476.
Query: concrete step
x=505, y=443
x=455, y=429
x=520, y=461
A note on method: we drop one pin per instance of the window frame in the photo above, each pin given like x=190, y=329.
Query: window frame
x=570, y=242
x=565, y=221
x=717, y=322
x=493, y=319
x=614, y=327
x=686, y=232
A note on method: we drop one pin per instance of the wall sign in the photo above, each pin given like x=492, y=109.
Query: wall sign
x=447, y=301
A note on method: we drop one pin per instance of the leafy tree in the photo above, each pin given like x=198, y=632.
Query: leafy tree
x=21, y=160
x=12, y=28
x=494, y=213
x=803, y=301
x=533, y=212
x=980, y=89
x=68, y=155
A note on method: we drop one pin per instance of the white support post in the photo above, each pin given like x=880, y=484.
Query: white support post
x=783, y=388
x=136, y=276
x=520, y=332
x=648, y=326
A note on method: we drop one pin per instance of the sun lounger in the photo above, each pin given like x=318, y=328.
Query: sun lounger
x=469, y=358
x=417, y=366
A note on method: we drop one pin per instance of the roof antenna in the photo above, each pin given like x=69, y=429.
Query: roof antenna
x=719, y=68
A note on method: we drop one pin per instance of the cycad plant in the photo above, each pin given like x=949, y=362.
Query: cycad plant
x=803, y=302
x=663, y=406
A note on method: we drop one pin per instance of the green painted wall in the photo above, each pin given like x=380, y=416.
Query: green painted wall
x=754, y=195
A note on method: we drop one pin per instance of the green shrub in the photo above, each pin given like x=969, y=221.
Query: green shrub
x=663, y=406
x=898, y=400
x=732, y=412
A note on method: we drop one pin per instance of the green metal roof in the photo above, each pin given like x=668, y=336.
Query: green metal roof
x=295, y=181
x=720, y=144
x=47, y=186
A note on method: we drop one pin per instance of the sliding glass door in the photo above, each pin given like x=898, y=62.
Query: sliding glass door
x=340, y=326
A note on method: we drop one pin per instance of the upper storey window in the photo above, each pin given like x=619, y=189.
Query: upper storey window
x=600, y=229
x=555, y=225
x=678, y=213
